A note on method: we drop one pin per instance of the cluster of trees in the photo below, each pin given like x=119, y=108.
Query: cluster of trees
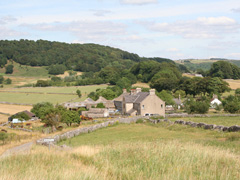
x=21, y=116
x=224, y=70
x=203, y=86
x=80, y=57
x=231, y=104
x=109, y=93
x=53, y=115
x=5, y=81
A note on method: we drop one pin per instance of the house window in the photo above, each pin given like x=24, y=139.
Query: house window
x=161, y=106
x=142, y=106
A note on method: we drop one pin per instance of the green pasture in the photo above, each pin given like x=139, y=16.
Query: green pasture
x=27, y=71
x=35, y=98
x=225, y=121
x=29, y=98
x=133, y=151
x=72, y=89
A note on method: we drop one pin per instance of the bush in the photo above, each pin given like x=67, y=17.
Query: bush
x=3, y=137
x=232, y=107
x=100, y=105
x=9, y=69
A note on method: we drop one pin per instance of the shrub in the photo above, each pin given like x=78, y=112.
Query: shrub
x=3, y=137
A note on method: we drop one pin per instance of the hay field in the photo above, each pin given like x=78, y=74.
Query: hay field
x=132, y=151
x=28, y=98
x=71, y=89
x=233, y=84
x=3, y=118
x=12, y=109
x=66, y=73
x=140, y=84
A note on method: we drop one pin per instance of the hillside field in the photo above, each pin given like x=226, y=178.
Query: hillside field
x=133, y=151
x=27, y=97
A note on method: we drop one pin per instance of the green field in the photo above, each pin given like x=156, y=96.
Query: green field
x=28, y=98
x=27, y=71
x=72, y=89
x=134, y=151
x=225, y=121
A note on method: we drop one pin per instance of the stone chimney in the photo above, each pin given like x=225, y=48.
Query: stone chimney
x=152, y=91
x=124, y=90
x=138, y=90
x=133, y=91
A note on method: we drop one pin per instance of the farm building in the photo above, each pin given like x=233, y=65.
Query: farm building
x=96, y=113
x=28, y=115
x=141, y=103
x=89, y=103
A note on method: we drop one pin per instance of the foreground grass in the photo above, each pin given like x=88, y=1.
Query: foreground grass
x=135, y=151
x=221, y=120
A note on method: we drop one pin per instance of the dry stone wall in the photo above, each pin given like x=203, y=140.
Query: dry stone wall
x=73, y=133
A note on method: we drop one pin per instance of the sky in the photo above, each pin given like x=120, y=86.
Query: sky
x=175, y=29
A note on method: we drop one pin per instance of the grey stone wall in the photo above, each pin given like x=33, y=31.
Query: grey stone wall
x=87, y=129
x=200, y=115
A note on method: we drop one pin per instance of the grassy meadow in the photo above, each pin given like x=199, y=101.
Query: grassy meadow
x=28, y=98
x=133, y=151
x=221, y=120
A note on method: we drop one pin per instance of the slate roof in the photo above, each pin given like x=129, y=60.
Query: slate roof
x=101, y=100
x=177, y=101
x=138, y=98
x=29, y=114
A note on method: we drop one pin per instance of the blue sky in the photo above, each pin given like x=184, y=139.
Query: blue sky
x=176, y=29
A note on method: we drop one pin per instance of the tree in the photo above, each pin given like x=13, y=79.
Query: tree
x=100, y=105
x=21, y=116
x=167, y=97
x=79, y=93
x=192, y=106
x=42, y=109
x=42, y=83
x=9, y=69
x=1, y=79
x=232, y=107
x=70, y=117
x=124, y=83
x=8, y=81
x=3, y=137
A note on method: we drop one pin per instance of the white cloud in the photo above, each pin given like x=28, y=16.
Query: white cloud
x=84, y=30
x=172, y=50
x=101, y=12
x=236, y=10
x=7, y=19
x=211, y=27
x=233, y=55
x=6, y=33
x=138, y=2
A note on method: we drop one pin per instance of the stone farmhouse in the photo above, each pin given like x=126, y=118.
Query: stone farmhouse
x=138, y=103
x=89, y=103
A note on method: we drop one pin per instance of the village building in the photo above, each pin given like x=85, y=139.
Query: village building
x=178, y=102
x=140, y=103
x=96, y=113
x=30, y=115
x=215, y=102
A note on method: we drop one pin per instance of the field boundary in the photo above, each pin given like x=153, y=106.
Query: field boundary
x=183, y=115
x=23, y=104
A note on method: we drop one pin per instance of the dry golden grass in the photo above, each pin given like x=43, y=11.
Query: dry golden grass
x=136, y=160
x=234, y=84
x=66, y=73
x=140, y=84
x=3, y=118
x=188, y=75
x=12, y=109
